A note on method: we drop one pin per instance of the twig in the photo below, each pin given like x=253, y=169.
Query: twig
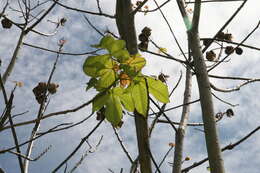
x=227, y=147
x=77, y=148
x=225, y=25
x=123, y=146
x=62, y=53
x=84, y=11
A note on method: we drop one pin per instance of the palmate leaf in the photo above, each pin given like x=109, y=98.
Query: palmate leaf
x=136, y=62
x=121, y=55
x=113, y=111
x=91, y=83
x=158, y=89
x=140, y=97
x=125, y=98
x=93, y=64
x=107, y=78
x=99, y=101
x=108, y=42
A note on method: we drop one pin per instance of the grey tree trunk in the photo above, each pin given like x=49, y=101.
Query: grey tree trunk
x=179, y=136
x=208, y=116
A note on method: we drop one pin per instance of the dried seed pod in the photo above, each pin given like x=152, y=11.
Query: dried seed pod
x=6, y=23
x=53, y=88
x=206, y=42
x=143, y=38
x=239, y=51
x=229, y=113
x=210, y=55
x=162, y=77
x=221, y=35
x=187, y=158
x=219, y=115
x=229, y=50
x=228, y=37
x=63, y=21
x=146, y=31
x=143, y=46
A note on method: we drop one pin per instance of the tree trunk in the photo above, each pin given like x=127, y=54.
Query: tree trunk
x=126, y=27
x=179, y=137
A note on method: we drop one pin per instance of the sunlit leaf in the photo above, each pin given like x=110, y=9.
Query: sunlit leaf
x=139, y=95
x=107, y=78
x=99, y=101
x=136, y=62
x=91, y=83
x=126, y=98
x=121, y=55
x=158, y=89
x=113, y=111
x=93, y=64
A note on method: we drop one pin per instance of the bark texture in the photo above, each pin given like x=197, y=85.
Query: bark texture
x=126, y=28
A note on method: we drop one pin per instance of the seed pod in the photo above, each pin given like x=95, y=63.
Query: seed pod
x=6, y=23
x=239, y=51
x=63, y=21
x=210, y=56
x=228, y=37
x=143, y=46
x=229, y=50
x=146, y=31
x=221, y=35
x=162, y=77
x=187, y=158
x=229, y=113
x=53, y=88
x=143, y=38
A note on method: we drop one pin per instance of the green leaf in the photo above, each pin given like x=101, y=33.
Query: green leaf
x=106, y=41
x=113, y=111
x=107, y=78
x=93, y=64
x=116, y=46
x=139, y=95
x=136, y=62
x=91, y=83
x=125, y=98
x=121, y=55
x=99, y=101
x=158, y=89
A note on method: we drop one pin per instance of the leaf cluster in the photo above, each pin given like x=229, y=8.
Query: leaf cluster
x=117, y=77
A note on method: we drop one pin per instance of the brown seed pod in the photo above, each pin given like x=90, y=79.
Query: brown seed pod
x=228, y=37
x=221, y=35
x=146, y=31
x=162, y=77
x=53, y=88
x=143, y=38
x=6, y=23
x=229, y=50
x=239, y=51
x=230, y=113
x=210, y=55
x=143, y=46
x=63, y=21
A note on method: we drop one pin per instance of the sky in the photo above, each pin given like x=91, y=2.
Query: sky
x=34, y=66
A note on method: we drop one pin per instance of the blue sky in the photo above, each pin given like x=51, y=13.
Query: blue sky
x=34, y=66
